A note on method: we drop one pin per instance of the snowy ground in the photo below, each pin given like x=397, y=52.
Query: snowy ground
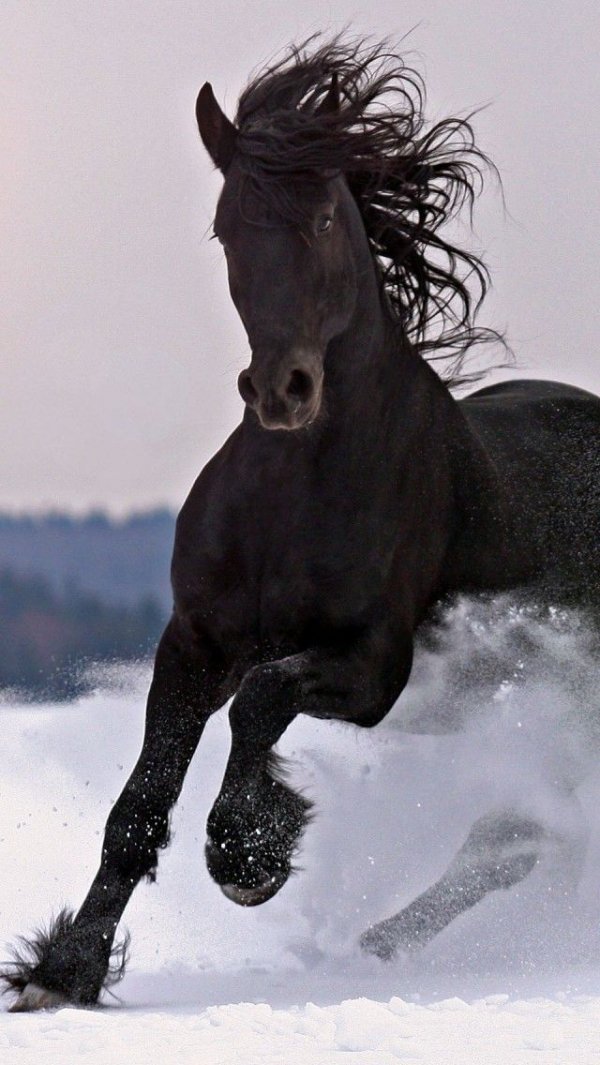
x=516, y=980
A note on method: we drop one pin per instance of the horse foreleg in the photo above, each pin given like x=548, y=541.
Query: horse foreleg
x=75, y=958
x=501, y=849
x=257, y=820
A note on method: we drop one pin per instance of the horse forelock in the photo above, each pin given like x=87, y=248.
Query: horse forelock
x=407, y=178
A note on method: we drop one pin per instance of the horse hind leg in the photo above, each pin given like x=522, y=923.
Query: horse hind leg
x=501, y=850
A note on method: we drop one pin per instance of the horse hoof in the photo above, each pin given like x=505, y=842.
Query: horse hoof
x=378, y=941
x=34, y=998
x=253, y=896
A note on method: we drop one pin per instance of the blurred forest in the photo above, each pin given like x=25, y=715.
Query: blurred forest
x=75, y=591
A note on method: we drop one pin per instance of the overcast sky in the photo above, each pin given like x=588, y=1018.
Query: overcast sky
x=119, y=347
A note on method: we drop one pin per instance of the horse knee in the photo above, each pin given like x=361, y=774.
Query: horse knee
x=132, y=839
x=500, y=851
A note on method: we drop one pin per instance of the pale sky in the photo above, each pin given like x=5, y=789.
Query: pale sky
x=119, y=347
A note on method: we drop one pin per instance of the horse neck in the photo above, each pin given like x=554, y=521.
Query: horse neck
x=387, y=408
x=378, y=387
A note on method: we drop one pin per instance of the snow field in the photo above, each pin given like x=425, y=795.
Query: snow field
x=359, y=1031
x=517, y=979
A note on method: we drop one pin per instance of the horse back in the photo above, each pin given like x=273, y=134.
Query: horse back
x=543, y=438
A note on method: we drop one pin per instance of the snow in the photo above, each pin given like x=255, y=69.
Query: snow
x=359, y=1031
x=515, y=980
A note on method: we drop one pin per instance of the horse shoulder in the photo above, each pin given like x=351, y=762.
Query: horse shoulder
x=210, y=576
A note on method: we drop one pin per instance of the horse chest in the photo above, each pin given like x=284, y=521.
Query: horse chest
x=273, y=587
x=270, y=552
x=298, y=591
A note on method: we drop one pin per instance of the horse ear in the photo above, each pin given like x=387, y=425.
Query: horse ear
x=217, y=132
x=330, y=104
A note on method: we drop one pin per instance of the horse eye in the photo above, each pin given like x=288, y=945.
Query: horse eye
x=324, y=223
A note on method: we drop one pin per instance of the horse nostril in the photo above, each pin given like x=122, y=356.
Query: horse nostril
x=300, y=386
x=246, y=388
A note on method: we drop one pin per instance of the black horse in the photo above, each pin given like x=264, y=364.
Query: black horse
x=355, y=494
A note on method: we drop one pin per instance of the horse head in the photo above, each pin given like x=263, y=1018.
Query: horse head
x=290, y=245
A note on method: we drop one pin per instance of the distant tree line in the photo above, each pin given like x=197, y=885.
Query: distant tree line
x=48, y=637
x=118, y=560
x=79, y=590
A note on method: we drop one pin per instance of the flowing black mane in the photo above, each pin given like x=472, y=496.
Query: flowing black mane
x=407, y=179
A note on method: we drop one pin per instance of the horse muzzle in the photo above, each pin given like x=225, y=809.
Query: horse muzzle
x=284, y=396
